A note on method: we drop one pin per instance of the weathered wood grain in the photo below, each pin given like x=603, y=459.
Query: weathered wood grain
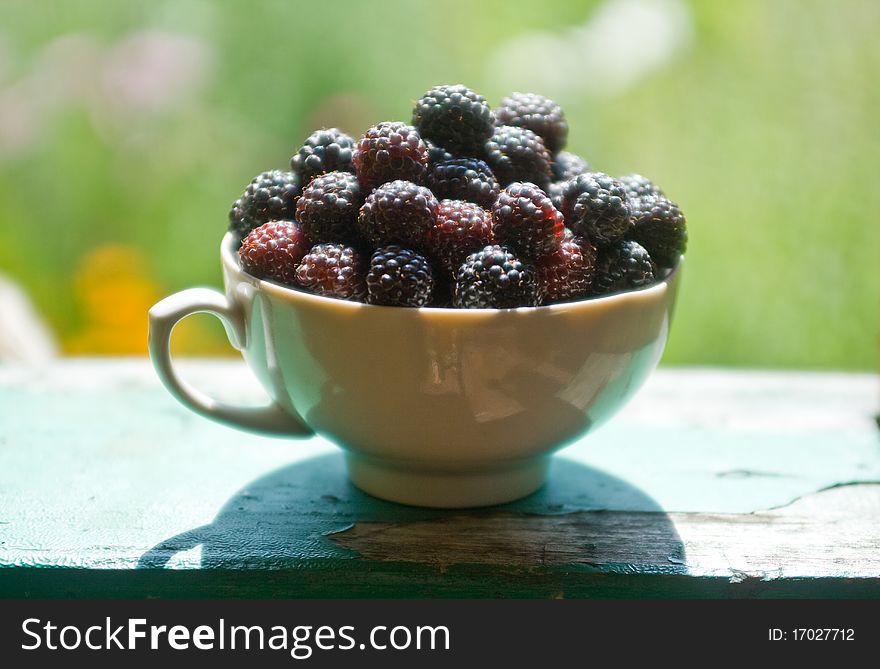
x=711, y=483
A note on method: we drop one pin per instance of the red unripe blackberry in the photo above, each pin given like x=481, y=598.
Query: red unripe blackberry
x=270, y=196
x=461, y=229
x=623, y=265
x=525, y=219
x=454, y=117
x=389, y=151
x=596, y=207
x=539, y=114
x=567, y=273
x=518, y=154
x=274, y=251
x=568, y=165
x=333, y=270
x=328, y=208
x=399, y=212
x=463, y=179
x=327, y=150
x=660, y=227
x=494, y=278
x=399, y=277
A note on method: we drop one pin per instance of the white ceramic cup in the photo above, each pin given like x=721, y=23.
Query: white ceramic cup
x=433, y=407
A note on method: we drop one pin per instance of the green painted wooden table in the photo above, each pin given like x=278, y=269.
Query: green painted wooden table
x=710, y=483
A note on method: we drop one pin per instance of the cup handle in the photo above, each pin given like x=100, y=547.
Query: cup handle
x=271, y=419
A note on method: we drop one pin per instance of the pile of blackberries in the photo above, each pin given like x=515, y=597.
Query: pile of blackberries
x=467, y=207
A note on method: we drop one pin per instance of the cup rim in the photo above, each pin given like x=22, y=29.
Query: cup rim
x=229, y=259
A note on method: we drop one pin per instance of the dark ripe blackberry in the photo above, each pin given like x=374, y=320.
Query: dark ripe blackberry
x=463, y=179
x=333, y=270
x=461, y=229
x=568, y=165
x=436, y=154
x=399, y=212
x=539, y=114
x=388, y=151
x=622, y=266
x=494, y=278
x=328, y=208
x=274, y=251
x=399, y=277
x=327, y=150
x=454, y=117
x=660, y=227
x=270, y=196
x=556, y=193
x=567, y=273
x=596, y=207
x=524, y=218
x=518, y=154
x=637, y=186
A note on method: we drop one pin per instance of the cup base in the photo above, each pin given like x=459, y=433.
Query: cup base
x=446, y=489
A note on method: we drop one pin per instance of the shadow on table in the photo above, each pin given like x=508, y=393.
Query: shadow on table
x=309, y=511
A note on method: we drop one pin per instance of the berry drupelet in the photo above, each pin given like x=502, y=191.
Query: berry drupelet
x=525, y=219
x=270, y=196
x=274, y=251
x=567, y=273
x=399, y=212
x=622, y=266
x=494, y=278
x=328, y=208
x=454, y=117
x=388, y=151
x=568, y=165
x=596, y=207
x=399, y=277
x=333, y=270
x=436, y=154
x=463, y=179
x=539, y=114
x=462, y=228
x=327, y=150
x=518, y=154
x=637, y=186
x=660, y=227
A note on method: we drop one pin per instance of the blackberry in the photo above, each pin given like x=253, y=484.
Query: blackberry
x=568, y=165
x=399, y=277
x=539, y=114
x=660, y=227
x=270, y=196
x=328, y=208
x=327, y=150
x=596, y=207
x=388, y=151
x=518, y=154
x=463, y=179
x=399, y=212
x=637, y=186
x=622, y=266
x=333, y=270
x=556, y=193
x=274, y=251
x=525, y=219
x=436, y=154
x=494, y=278
x=454, y=117
x=567, y=273
x=461, y=229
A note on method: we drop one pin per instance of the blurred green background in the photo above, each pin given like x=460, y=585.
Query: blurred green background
x=128, y=128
